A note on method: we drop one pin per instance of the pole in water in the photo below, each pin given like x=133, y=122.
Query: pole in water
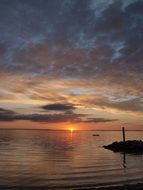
x=123, y=130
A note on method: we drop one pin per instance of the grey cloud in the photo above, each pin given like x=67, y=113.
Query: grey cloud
x=51, y=118
x=130, y=105
x=6, y=111
x=58, y=107
x=100, y=120
x=99, y=6
x=67, y=116
x=8, y=115
x=82, y=30
x=135, y=8
x=2, y=50
x=134, y=105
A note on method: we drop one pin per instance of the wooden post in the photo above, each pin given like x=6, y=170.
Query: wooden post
x=123, y=130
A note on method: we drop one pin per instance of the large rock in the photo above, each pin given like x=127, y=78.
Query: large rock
x=133, y=146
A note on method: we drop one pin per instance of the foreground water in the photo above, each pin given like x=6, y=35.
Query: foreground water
x=63, y=159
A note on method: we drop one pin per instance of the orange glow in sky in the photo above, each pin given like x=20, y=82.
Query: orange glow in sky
x=71, y=127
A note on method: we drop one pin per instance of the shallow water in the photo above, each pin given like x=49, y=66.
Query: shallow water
x=64, y=159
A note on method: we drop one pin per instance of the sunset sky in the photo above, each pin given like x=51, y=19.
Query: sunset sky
x=71, y=64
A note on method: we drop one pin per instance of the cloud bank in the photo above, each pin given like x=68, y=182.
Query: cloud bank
x=85, y=53
x=8, y=115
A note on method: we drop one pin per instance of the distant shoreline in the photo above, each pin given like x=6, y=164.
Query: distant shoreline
x=64, y=129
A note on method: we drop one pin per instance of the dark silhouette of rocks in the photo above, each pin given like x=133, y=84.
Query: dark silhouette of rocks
x=133, y=147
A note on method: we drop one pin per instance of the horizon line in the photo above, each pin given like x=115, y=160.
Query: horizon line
x=68, y=129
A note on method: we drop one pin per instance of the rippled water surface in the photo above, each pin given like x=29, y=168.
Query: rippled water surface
x=64, y=159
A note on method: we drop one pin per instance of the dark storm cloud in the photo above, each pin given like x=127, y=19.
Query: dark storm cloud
x=58, y=107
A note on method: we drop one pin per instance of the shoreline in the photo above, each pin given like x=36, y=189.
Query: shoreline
x=135, y=186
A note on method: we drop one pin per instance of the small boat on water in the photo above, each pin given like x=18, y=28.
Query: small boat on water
x=96, y=135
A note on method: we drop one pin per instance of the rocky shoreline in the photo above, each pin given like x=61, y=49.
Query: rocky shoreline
x=138, y=186
x=130, y=146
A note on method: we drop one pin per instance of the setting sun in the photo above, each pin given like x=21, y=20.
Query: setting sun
x=71, y=127
x=71, y=130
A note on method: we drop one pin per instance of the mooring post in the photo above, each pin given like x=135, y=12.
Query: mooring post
x=123, y=130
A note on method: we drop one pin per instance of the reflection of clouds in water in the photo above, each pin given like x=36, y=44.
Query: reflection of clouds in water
x=31, y=154
x=6, y=137
x=60, y=145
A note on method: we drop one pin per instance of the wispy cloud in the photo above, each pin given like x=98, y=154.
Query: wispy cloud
x=99, y=120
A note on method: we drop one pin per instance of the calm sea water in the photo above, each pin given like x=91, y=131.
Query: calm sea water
x=63, y=159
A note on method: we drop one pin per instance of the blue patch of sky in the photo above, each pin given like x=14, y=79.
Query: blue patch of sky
x=76, y=91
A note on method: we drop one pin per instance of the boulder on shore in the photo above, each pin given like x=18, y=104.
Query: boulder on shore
x=134, y=147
